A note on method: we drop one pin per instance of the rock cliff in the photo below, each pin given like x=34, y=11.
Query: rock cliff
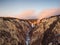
x=15, y=31
x=47, y=32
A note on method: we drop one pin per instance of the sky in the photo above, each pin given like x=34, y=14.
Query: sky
x=16, y=7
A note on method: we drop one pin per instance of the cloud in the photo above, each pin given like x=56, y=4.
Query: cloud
x=48, y=13
x=30, y=14
x=27, y=14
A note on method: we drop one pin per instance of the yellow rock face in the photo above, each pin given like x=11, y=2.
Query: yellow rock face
x=15, y=31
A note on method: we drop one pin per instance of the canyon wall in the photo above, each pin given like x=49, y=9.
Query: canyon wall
x=47, y=32
x=15, y=31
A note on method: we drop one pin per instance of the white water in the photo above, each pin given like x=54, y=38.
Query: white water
x=28, y=37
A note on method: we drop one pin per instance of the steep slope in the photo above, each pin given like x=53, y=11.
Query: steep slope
x=46, y=32
x=15, y=31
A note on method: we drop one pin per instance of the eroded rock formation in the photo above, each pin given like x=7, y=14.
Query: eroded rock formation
x=46, y=31
x=15, y=31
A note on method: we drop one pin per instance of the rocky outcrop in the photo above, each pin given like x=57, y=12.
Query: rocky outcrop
x=15, y=31
x=47, y=32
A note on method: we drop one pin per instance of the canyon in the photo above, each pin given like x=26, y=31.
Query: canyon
x=14, y=31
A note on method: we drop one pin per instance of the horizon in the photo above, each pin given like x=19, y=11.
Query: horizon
x=14, y=8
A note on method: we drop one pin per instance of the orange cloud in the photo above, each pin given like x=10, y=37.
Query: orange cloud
x=48, y=13
x=26, y=14
x=30, y=14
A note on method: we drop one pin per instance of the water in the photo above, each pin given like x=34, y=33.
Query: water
x=32, y=25
x=28, y=37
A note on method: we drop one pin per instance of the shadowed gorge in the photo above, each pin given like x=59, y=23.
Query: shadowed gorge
x=14, y=31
